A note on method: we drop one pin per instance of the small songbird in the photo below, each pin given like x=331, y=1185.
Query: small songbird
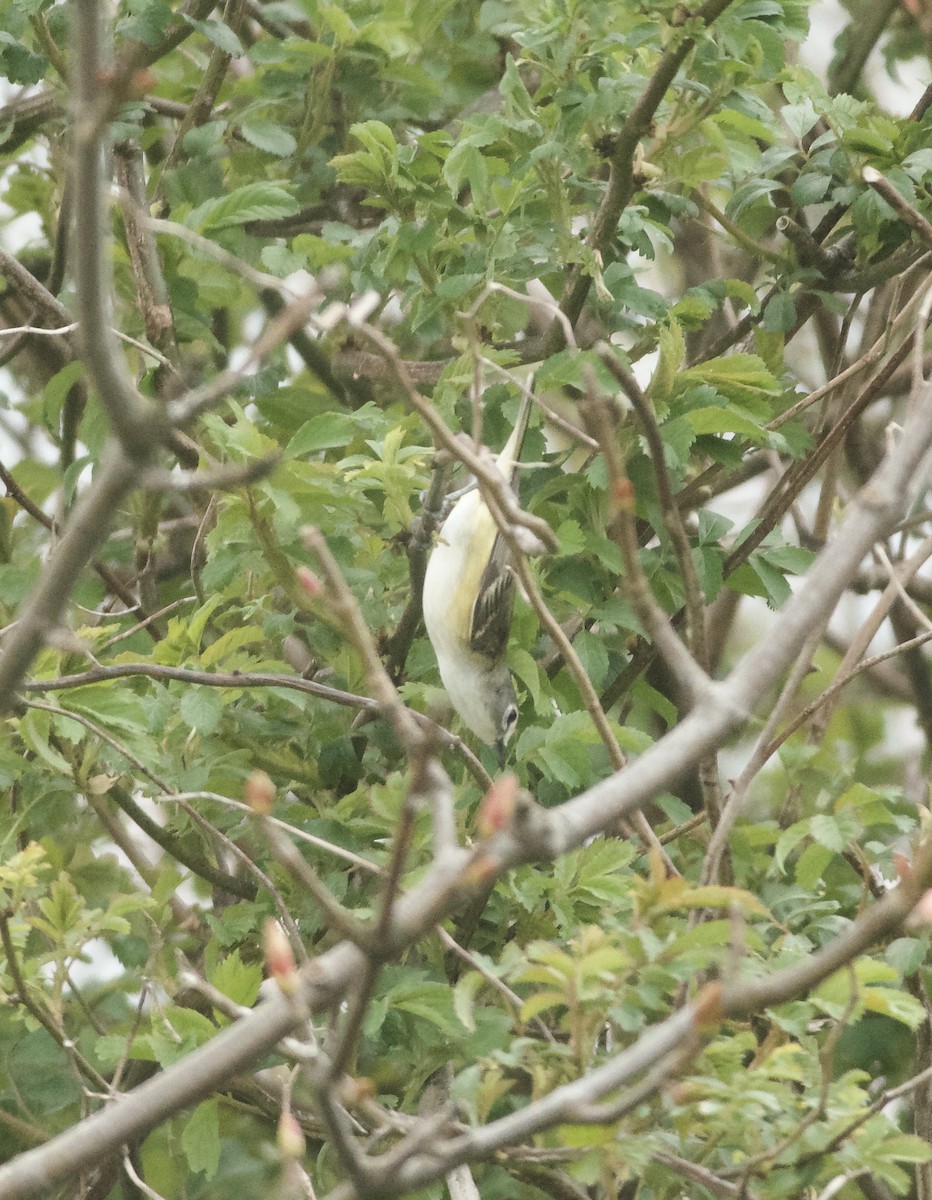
x=469, y=595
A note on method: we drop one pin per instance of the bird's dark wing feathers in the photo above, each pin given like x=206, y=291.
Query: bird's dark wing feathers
x=491, y=615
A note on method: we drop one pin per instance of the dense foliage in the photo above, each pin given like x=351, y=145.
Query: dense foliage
x=690, y=194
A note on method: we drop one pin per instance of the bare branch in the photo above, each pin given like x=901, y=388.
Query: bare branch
x=44, y=610
x=137, y=422
x=899, y=204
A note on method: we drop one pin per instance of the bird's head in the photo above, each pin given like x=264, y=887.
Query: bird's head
x=487, y=703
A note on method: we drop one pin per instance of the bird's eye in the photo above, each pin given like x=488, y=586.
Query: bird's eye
x=509, y=721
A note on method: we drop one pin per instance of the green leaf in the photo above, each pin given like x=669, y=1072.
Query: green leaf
x=466, y=165
x=228, y=645
x=811, y=865
x=593, y=656
x=788, y=841
x=725, y=420
x=906, y=955
x=826, y=830
x=116, y=708
x=270, y=137
x=524, y=666
x=251, y=202
x=684, y=897
x=834, y=994
x=218, y=34
x=741, y=378
x=326, y=431
x=672, y=345
x=238, y=980
x=899, y=1006
x=201, y=708
x=780, y=313
x=431, y=1002
x=376, y=137
x=907, y=1147
x=200, y=1138
x=464, y=998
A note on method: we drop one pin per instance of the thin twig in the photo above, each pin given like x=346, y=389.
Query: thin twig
x=304, y=874
x=349, y=616
x=39, y=1014
x=138, y=422
x=900, y=205
x=495, y=489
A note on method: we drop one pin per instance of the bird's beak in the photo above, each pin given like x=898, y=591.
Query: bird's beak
x=500, y=752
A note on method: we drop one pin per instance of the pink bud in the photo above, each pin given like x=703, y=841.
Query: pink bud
x=290, y=1137
x=497, y=806
x=260, y=793
x=310, y=582
x=279, y=960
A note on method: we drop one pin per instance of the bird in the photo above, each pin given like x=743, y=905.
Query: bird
x=468, y=603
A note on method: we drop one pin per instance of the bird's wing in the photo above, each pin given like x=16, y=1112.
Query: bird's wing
x=491, y=614
x=495, y=600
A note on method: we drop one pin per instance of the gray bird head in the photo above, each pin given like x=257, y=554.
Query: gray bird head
x=485, y=699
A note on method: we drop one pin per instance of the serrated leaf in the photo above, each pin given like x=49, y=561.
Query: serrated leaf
x=811, y=865
x=326, y=431
x=593, y=656
x=464, y=998
x=251, y=202
x=197, y=622
x=238, y=980
x=725, y=419
x=906, y=955
x=826, y=832
x=672, y=346
x=270, y=137
x=559, y=764
x=907, y=1147
x=116, y=708
x=201, y=708
x=466, y=165
x=218, y=34
x=200, y=1138
x=681, y=896
x=542, y=1002
x=741, y=378
x=788, y=841
x=229, y=643
x=780, y=313
x=376, y=137
x=897, y=1005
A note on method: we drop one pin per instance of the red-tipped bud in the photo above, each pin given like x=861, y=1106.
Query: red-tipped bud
x=623, y=495
x=260, y=793
x=497, y=806
x=903, y=866
x=310, y=582
x=290, y=1137
x=279, y=960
